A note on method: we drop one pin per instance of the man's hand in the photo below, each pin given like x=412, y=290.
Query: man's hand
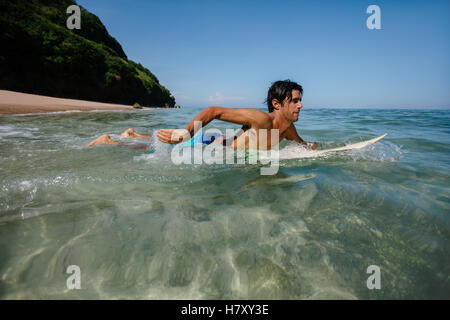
x=310, y=145
x=173, y=136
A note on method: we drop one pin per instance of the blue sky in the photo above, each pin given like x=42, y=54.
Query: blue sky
x=228, y=52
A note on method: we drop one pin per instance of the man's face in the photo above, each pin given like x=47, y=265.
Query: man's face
x=292, y=108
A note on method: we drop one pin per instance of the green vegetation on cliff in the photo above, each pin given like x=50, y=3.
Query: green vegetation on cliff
x=40, y=55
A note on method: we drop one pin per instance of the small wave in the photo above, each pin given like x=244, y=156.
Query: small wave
x=384, y=152
x=64, y=112
x=10, y=130
x=46, y=113
x=18, y=194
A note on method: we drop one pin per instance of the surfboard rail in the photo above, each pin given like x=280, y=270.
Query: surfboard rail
x=314, y=153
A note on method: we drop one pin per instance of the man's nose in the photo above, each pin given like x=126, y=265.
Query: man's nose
x=300, y=106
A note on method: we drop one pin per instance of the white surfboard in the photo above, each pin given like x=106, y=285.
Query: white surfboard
x=314, y=153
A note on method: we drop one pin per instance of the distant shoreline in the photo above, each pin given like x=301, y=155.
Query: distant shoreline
x=12, y=102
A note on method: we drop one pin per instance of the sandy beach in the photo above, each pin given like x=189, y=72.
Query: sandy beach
x=18, y=103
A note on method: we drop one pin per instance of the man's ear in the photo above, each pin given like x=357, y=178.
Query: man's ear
x=276, y=104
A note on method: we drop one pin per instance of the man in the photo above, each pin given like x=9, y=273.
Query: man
x=284, y=101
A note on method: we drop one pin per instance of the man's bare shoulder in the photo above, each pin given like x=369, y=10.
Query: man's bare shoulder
x=261, y=119
x=253, y=117
x=248, y=110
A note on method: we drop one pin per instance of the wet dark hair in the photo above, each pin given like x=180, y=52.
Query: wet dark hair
x=280, y=90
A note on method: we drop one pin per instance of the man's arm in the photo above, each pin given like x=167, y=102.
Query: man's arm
x=249, y=117
x=291, y=134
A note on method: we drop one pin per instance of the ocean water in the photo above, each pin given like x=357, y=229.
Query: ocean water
x=139, y=226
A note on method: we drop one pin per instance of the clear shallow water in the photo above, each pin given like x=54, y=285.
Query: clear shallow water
x=140, y=227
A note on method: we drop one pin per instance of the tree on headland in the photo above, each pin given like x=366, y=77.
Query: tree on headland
x=41, y=55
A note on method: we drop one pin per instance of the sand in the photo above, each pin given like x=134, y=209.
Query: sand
x=18, y=103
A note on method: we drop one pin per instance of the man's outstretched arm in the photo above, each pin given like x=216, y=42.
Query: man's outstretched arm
x=249, y=117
